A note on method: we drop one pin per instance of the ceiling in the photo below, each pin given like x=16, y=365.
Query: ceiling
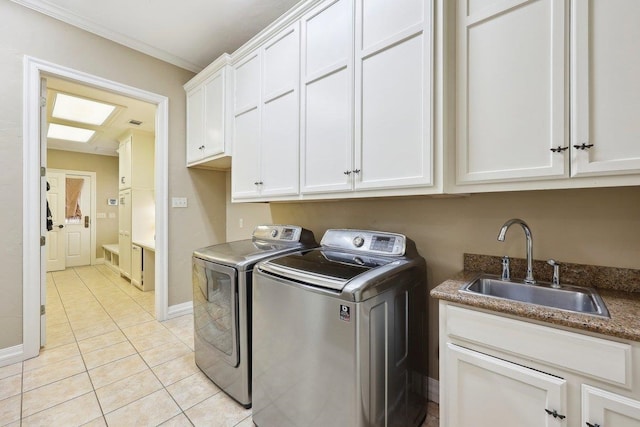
x=186, y=33
x=105, y=140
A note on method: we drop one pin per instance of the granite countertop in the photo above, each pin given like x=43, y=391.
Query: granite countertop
x=623, y=305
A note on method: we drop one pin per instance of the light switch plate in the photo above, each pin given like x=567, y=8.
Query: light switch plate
x=101, y=215
x=178, y=202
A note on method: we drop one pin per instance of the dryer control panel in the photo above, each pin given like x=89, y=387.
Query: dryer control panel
x=374, y=242
x=282, y=233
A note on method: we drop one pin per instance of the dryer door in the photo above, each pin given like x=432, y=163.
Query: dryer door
x=215, y=306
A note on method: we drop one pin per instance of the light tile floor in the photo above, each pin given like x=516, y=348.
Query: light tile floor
x=109, y=362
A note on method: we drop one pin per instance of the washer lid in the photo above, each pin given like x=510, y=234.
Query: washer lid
x=324, y=268
x=244, y=253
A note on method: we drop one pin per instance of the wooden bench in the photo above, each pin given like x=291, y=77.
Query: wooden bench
x=112, y=256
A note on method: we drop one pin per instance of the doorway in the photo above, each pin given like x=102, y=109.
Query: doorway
x=34, y=189
x=71, y=198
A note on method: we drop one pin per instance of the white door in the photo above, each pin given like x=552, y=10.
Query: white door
x=56, y=257
x=605, y=109
x=602, y=408
x=511, y=108
x=280, y=136
x=393, y=143
x=326, y=116
x=78, y=220
x=484, y=391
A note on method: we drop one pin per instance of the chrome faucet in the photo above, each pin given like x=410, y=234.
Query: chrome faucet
x=527, y=232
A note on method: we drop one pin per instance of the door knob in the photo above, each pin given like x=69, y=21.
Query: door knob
x=60, y=226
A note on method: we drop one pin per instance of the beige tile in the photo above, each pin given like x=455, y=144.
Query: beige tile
x=165, y=353
x=192, y=390
x=153, y=409
x=176, y=369
x=142, y=329
x=53, y=372
x=10, y=386
x=108, y=354
x=179, y=420
x=134, y=319
x=98, y=422
x=247, y=422
x=10, y=410
x=51, y=355
x=217, y=411
x=101, y=341
x=55, y=393
x=159, y=338
x=77, y=411
x=115, y=371
x=10, y=370
x=127, y=390
x=93, y=331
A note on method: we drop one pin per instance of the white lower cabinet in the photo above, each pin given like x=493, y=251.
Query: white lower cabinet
x=605, y=409
x=501, y=371
x=491, y=392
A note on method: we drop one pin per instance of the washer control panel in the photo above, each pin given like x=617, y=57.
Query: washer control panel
x=375, y=242
x=286, y=233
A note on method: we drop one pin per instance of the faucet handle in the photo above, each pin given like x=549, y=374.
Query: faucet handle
x=555, y=282
x=506, y=275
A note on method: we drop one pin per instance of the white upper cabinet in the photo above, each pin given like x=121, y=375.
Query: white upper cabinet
x=606, y=94
x=209, y=117
x=393, y=94
x=511, y=67
x=136, y=160
x=245, y=170
x=266, y=123
x=327, y=98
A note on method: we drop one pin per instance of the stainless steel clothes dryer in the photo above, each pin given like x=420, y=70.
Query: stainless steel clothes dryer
x=339, y=334
x=222, y=303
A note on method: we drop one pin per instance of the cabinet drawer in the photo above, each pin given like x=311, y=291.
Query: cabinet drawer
x=594, y=357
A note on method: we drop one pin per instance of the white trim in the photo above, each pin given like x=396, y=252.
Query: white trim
x=31, y=187
x=69, y=17
x=99, y=261
x=180, y=309
x=11, y=355
x=433, y=389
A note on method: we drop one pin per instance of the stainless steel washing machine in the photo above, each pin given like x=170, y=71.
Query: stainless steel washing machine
x=222, y=277
x=339, y=334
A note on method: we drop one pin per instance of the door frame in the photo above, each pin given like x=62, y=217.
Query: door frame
x=34, y=157
x=93, y=209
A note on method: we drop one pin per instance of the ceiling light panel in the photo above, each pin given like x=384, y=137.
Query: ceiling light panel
x=69, y=133
x=81, y=110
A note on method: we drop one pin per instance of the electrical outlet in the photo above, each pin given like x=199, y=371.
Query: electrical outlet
x=241, y=222
x=178, y=202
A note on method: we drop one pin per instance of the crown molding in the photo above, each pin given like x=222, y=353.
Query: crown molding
x=71, y=18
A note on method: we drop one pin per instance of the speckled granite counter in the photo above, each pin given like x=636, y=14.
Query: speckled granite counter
x=623, y=305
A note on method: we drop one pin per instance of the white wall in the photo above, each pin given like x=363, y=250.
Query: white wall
x=26, y=32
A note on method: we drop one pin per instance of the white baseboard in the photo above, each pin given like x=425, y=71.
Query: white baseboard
x=99, y=261
x=433, y=389
x=180, y=309
x=11, y=355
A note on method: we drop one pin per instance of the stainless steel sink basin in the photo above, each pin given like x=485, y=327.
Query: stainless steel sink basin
x=570, y=298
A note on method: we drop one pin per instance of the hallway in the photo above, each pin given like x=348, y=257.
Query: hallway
x=108, y=362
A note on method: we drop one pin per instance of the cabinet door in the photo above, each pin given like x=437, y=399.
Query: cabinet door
x=136, y=265
x=327, y=98
x=604, y=409
x=124, y=164
x=245, y=172
x=605, y=106
x=393, y=139
x=280, y=120
x=214, y=130
x=511, y=92
x=124, y=237
x=484, y=391
x=195, y=124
